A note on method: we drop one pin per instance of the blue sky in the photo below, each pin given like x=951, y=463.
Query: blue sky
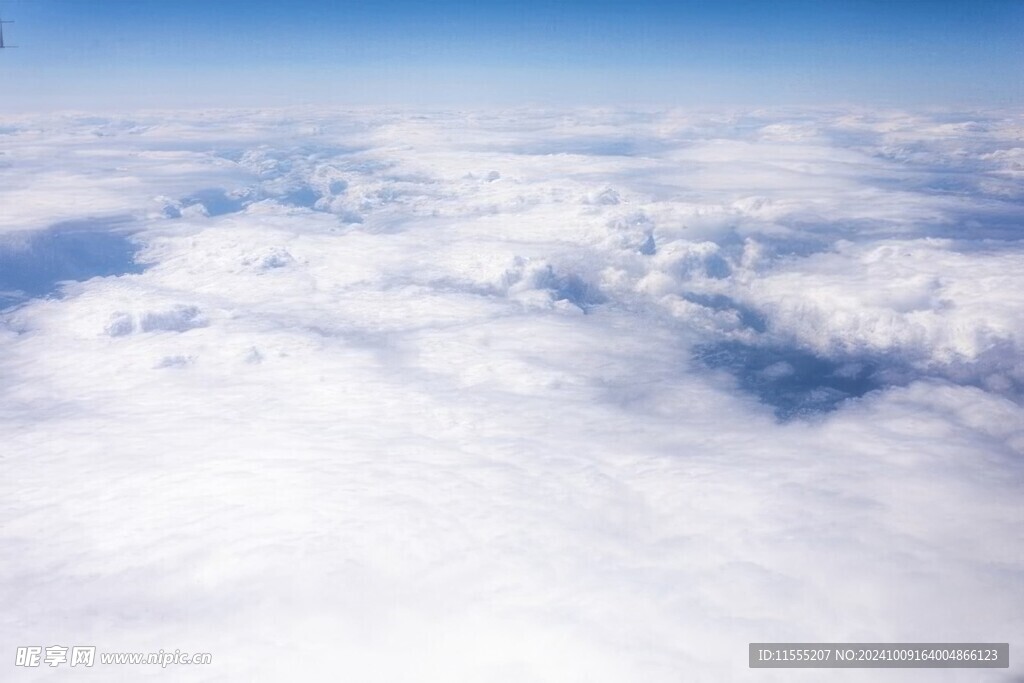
x=75, y=53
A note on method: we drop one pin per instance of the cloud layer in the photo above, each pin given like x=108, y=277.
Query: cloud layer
x=510, y=395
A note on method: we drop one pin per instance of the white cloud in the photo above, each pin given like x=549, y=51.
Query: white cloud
x=588, y=395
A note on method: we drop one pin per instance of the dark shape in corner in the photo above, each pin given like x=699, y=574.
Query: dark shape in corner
x=3, y=45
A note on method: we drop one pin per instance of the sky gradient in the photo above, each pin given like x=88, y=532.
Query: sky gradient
x=114, y=53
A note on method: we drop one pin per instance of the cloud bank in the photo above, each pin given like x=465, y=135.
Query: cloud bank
x=514, y=395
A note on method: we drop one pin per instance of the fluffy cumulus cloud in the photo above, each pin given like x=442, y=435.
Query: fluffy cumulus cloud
x=526, y=395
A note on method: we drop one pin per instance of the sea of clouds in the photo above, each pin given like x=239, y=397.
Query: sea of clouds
x=523, y=395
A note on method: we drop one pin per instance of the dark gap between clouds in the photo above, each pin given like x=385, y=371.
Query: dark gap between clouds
x=33, y=265
x=796, y=382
